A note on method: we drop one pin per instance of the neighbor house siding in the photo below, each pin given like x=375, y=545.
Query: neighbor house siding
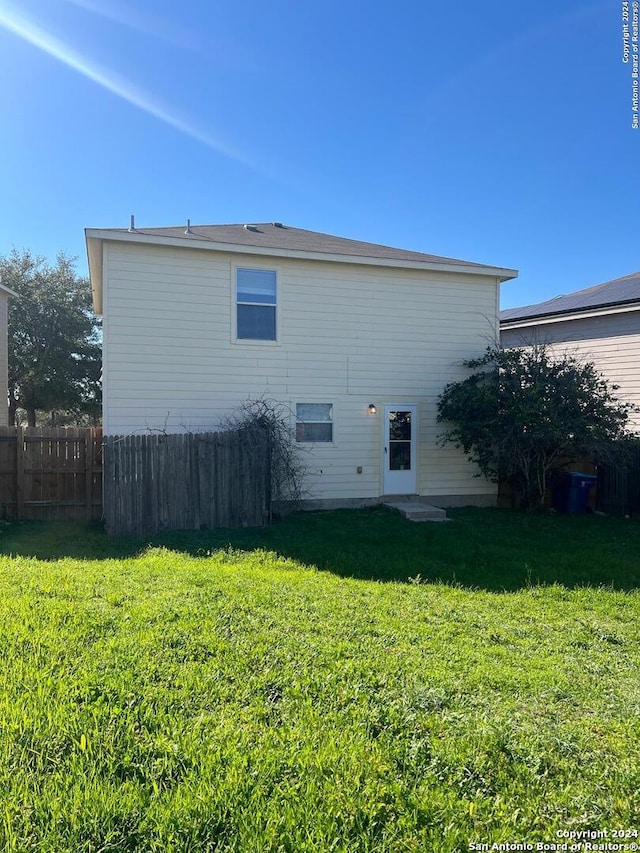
x=348, y=334
x=611, y=342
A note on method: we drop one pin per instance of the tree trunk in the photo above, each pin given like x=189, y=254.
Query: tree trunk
x=31, y=417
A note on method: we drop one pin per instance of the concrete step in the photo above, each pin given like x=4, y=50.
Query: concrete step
x=416, y=511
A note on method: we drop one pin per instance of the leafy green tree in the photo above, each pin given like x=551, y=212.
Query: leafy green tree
x=54, y=341
x=524, y=412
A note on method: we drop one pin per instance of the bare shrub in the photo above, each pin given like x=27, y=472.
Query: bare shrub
x=287, y=467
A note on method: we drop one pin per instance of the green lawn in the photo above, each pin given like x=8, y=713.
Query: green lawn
x=342, y=681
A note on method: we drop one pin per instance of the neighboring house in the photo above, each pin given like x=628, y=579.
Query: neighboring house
x=199, y=319
x=5, y=293
x=599, y=324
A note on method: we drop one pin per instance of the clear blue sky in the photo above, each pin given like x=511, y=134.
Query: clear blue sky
x=495, y=132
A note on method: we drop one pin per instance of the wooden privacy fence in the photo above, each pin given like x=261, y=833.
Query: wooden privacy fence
x=185, y=482
x=619, y=485
x=50, y=473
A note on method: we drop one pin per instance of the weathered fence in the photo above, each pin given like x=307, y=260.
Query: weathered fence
x=617, y=491
x=50, y=473
x=619, y=485
x=185, y=482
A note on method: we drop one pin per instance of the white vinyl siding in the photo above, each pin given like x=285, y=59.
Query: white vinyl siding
x=611, y=342
x=350, y=335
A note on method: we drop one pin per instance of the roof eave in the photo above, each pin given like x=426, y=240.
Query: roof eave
x=560, y=317
x=94, y=257
x=94, y=235
x=7, y=290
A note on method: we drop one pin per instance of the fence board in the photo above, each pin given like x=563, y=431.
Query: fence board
x=7, y=467
x=185, y=481
x=19, y=472
x=50, y=473
x=619, y=485
x=88, y=475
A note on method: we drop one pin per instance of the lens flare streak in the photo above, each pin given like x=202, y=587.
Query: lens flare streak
x=56, y=48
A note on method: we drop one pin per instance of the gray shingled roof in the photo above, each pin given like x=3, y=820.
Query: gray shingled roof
x=620, y=291
x=270, y=236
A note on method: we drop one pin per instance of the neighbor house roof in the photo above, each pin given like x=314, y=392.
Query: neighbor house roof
x=7, y=290
x=612, y=294
x=274, y=238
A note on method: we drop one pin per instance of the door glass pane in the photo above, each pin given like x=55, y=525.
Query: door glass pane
x=400, y=456
x=400, y=426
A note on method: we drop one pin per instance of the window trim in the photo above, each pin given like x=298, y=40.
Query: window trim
x=260, y=342
x=322, y=402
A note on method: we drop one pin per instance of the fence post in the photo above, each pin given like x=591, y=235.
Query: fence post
x=19, y=472
x=88, y=461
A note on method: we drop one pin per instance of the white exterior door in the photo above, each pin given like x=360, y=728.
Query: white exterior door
x=399, y=450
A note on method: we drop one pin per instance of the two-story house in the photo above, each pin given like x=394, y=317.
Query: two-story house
x=356, y=339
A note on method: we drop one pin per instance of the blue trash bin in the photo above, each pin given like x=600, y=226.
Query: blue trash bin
x=572, y=492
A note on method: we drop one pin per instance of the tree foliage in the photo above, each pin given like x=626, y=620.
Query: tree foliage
x=54, y=341
x=523, y=412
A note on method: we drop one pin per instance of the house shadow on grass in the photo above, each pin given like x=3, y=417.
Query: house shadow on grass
x=488, y=549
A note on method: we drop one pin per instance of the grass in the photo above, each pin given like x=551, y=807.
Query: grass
x=341, y=681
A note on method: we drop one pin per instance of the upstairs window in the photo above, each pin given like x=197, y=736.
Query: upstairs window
x=256, y=304
x=314, y=422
